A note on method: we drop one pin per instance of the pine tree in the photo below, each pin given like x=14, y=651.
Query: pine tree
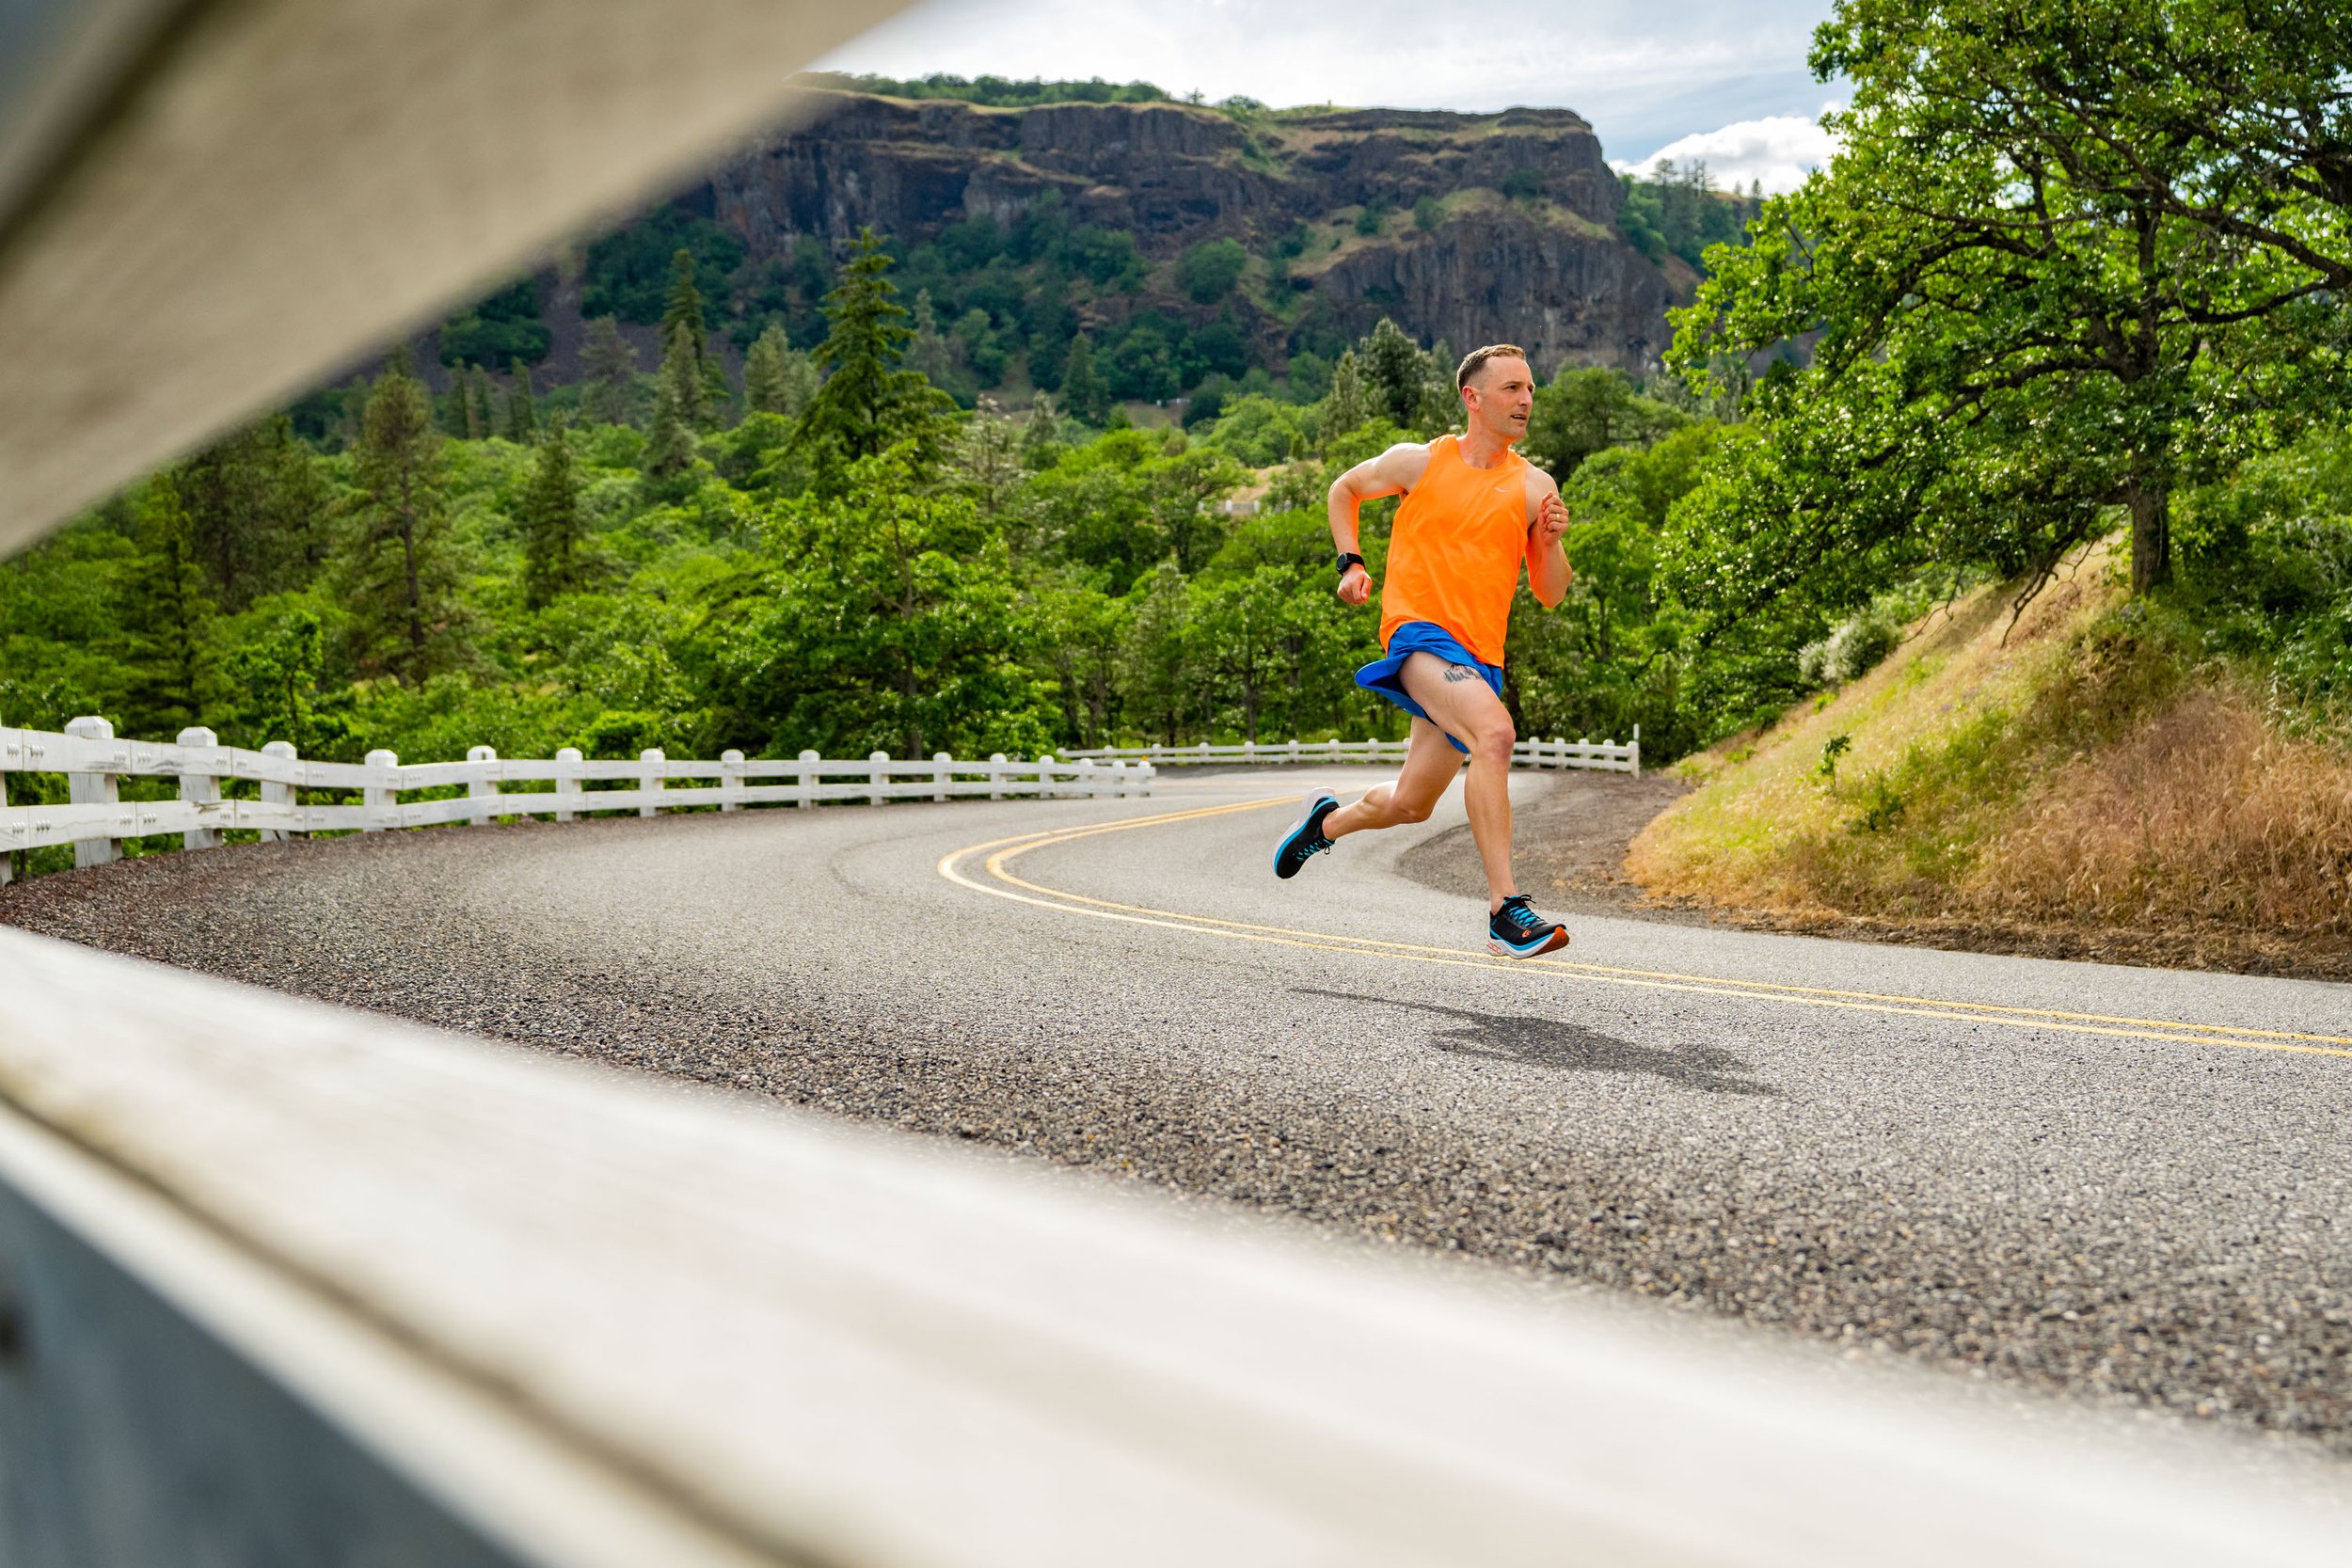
x=1083, y=391
x=401, y=566
x=1040, y=437
x=989, y=454
x=553, y=525
x=866, y=403
x=1395, y=370
x=522, y=407
x=763, y=371
x=685, y=337
x=928, y=352
x=253, y=499
x=670, y=447
x=1344, y=406
x=165, y=615
x=608, y=365
x=480, y=419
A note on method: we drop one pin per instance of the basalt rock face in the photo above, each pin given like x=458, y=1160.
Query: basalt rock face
x=1526, y=247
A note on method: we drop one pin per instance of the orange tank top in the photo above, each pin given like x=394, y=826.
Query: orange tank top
x=1456, y=550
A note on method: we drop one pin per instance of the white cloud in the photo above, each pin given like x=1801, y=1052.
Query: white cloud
x=1779, y=150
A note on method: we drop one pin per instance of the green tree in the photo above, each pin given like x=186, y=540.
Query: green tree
x=686, y=337
x=481, y=421
x=553, y=524
x=1347, y=405
x=400, y=563
x=607, y=366
x=522, y=407
x=167, y=616
x=868, y=404
x=253, y=499
x=1207, y=271
x=1159, y=682
x=1397, y=376
x=1041, y=444
x=884, y=616
x=2022, y=319
x=670, y=446
x=929, y=354
x=1588, y=409
x=777, y=378
x=1083, y=391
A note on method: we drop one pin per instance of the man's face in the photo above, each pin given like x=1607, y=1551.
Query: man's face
x=1501, y=396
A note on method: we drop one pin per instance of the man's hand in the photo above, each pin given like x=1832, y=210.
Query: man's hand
x=1551, y=520
x=1354, y=586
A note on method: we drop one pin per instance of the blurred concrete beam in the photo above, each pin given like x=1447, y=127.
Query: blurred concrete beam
x=207, y=206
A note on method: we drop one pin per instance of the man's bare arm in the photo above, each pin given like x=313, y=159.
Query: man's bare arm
x=1548, y=571
x=1392, y=473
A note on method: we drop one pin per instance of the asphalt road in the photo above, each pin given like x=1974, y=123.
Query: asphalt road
x=2128, y=1184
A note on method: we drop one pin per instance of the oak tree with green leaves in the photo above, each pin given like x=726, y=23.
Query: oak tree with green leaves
x=2031, y=294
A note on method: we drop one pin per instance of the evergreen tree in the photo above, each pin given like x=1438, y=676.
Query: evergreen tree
x=1041, y=435
x=928, y=350
x=522, y=407
x=253, y=500
x=479, y=419
x=866, y=403
x=1396, y=376
x=166, y=616
x=401, y=566
x=1345, y=406
x=989, y=454
x=670, y=448
x=1083, y=390
x=686, y=338
x=608, y=365
x=763, y=371
x=554, y=526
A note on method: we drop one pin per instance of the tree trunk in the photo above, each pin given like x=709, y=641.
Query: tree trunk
x=2152, y=536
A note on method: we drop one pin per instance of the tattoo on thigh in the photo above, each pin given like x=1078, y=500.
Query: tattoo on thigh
x=1460, y=673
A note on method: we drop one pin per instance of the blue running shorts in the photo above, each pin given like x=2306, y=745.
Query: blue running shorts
x=1385, y=674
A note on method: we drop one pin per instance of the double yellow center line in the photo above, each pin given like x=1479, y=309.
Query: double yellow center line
x=1003, y=883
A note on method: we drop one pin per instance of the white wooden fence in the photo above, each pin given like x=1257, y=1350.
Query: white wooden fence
x=1604, y=756
x=96, y=820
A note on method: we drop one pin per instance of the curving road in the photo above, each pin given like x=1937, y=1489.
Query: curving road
x=2126, y=1183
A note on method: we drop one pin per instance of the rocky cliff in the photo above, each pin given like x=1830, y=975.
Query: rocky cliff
x=1516, y=237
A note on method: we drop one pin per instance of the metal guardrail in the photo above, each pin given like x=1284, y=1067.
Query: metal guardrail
x=96, y=819
x=1603, y=755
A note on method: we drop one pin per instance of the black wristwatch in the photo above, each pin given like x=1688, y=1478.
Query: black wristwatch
x=1349, y=557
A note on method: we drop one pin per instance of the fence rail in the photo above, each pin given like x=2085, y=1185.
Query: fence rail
x=1604, y=756
x=96, y=820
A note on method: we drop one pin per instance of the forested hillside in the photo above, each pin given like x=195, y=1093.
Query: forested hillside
x=1202, y=250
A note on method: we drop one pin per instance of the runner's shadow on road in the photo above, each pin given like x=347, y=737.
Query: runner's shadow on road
x=1548, y=1042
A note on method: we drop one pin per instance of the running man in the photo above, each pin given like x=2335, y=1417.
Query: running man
x=1473, y=512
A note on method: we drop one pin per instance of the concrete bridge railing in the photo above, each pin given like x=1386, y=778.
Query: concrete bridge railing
x=96, y=820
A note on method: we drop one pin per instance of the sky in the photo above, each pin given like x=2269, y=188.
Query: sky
x=1724, y=80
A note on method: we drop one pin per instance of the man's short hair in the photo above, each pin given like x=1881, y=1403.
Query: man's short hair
x=1478, y=356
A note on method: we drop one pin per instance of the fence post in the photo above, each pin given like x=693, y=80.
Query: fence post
x=7, y=856
x=1249, y=752
x=1087, y=783
x=996, y=775
x=382, y=800
x=808, y=779
x=275, y=794
x=877, y=782
x=1293, y=748
x=93, y=789
x=1637, y=751
x=199, y=788
x=650, y=780
x=730, y=781
x=938, y=774
x=567, y=783
x=482, y=789
x=1045, y=776
x=1119, y=781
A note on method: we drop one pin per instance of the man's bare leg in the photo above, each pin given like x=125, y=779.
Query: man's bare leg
x=1461, y=703
x=1430, y=765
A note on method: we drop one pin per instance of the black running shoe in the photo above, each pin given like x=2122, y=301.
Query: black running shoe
x=1305, y=841
x=1516, y=931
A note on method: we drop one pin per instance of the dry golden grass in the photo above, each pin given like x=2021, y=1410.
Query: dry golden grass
x=2060, y=787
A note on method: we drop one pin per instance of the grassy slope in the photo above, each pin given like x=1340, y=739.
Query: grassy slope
x=2075, y=785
